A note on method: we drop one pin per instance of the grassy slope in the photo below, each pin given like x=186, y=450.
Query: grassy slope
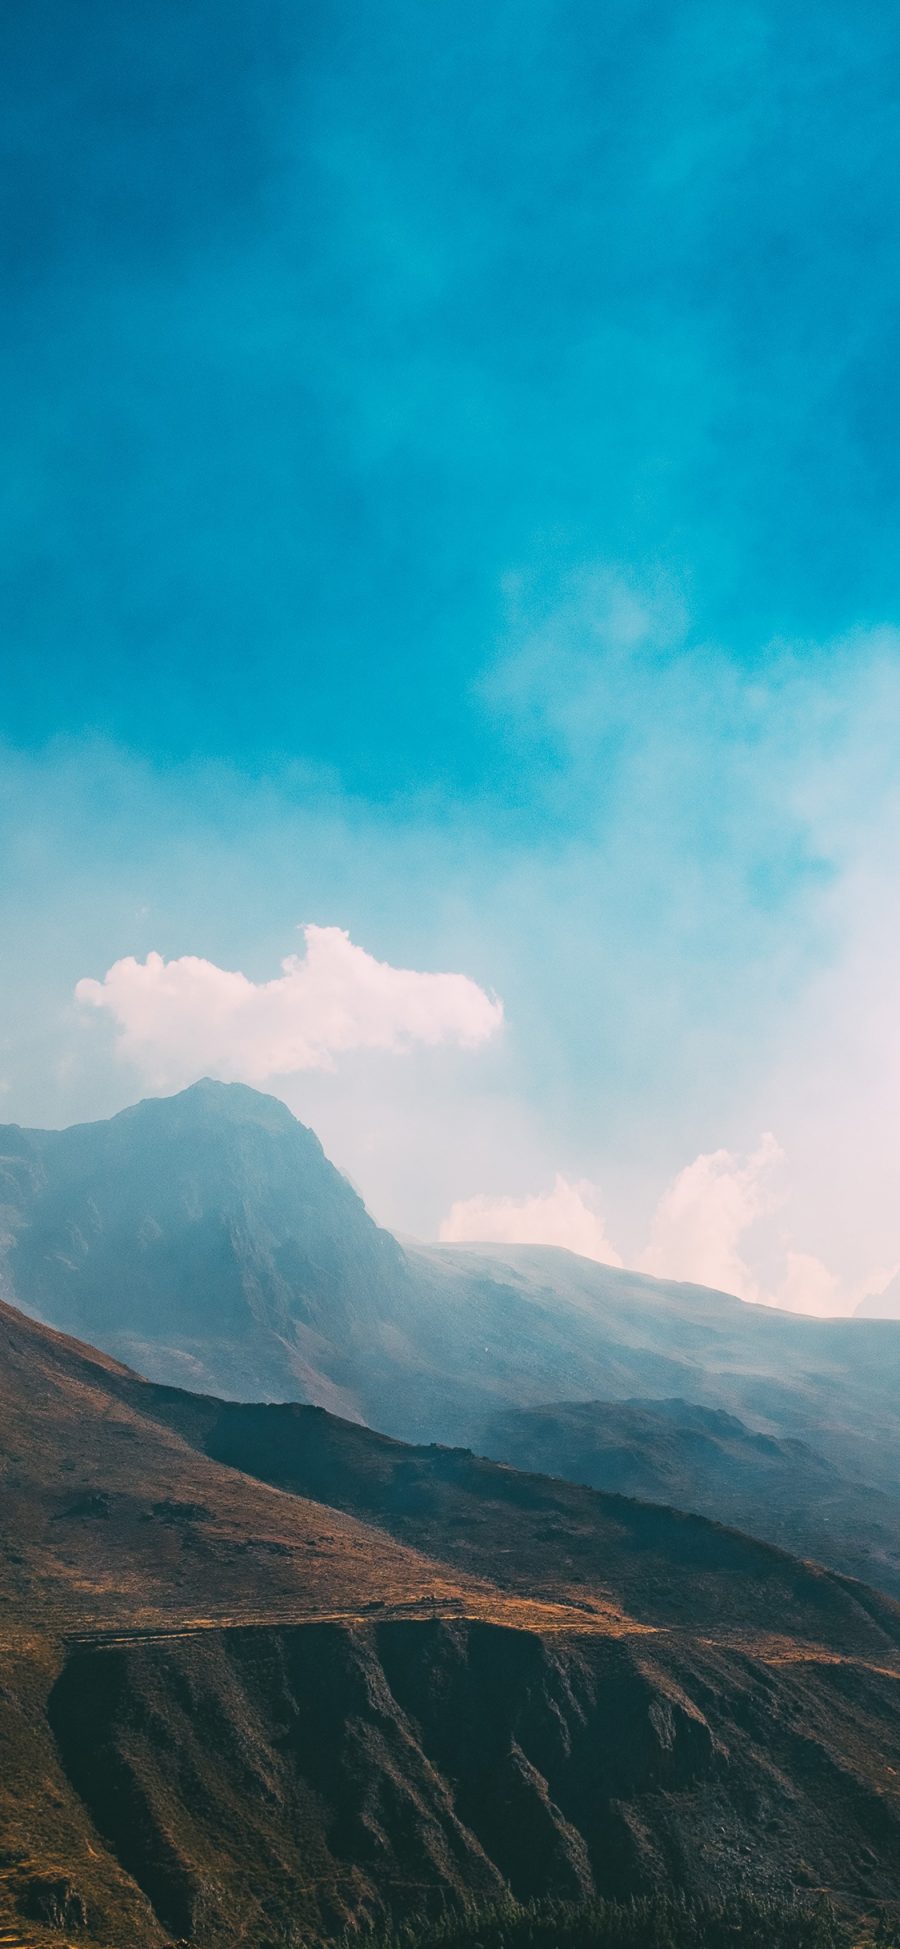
x=384, y=1672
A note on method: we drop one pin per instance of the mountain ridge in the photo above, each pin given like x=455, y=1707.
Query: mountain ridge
x=206, y=1239
x=703, y=1459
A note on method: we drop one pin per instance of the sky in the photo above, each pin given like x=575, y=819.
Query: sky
x=451, y=605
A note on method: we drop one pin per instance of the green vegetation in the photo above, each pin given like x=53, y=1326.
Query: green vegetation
x=651, y=1922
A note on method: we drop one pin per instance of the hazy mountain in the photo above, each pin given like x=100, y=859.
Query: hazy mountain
x=205, y=1239
x=705, y=1460
x=206, y=1233
x=250, y=1699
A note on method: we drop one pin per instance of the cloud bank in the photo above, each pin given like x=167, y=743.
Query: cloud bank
x=703, y=1216
x=697, y=1231
x=702, y=1231
x=567, y=1215
x=183, y=1018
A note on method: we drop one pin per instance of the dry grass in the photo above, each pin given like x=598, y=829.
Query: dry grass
x=120, y=1530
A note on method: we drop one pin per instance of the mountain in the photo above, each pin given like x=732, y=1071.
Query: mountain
x=529, y=1324
x=206, y=1240
x=266, y=1672
x=708, y=1461
x=206, y=1233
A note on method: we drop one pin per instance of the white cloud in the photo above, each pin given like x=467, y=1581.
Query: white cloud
x=809, y=1287
x=568, y=1215
x=701, y=1220
x=878, y=1294
x=709, y=1229
x=184, y=1018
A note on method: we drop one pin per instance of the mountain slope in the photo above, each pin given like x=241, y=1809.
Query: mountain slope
x=234, y=1708
x=707, y=1461
x=206, y=1230
x=205, y=1239
x=531, y=1534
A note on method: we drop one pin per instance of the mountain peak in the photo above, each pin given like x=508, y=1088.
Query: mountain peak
x=210, y=1099
x=206, y=1234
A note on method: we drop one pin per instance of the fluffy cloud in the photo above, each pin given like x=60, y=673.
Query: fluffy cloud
x=567, y=1215
x=809, y=1287
x=708, y=1229
x=701, y=1220
x=696, y=1234
x=703, y=1231
x=184, y=1018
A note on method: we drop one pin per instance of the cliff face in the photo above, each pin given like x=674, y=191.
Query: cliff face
x=257, y=1780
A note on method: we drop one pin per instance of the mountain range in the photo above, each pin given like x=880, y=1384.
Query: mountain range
x=881, y=1306
x=206, y=1240
x=267, y=1673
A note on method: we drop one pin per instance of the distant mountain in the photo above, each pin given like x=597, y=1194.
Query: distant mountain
x=206, y=1240
x=267, y=1674
x=705, y=1460
x=205, y=1234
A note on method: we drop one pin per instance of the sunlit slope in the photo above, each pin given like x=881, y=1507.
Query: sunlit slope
x=109, y=1517
x=537, y=1536
x=265, y=1670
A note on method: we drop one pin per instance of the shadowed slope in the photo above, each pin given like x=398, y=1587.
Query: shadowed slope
x=531, y=1533
x=110, y=1517
x=707, y=1461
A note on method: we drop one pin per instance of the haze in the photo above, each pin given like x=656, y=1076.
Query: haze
x=452, y=510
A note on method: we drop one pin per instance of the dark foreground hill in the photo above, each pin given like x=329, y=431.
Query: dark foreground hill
x=264, y=1672
x=708, y=1461
x=205, y=1239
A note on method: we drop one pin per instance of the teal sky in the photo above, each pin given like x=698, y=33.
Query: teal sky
x=452, y=493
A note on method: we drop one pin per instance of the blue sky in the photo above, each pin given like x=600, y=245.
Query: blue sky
x=451, y=493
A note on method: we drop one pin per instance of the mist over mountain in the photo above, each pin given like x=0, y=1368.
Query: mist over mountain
x=205, y=1239
x=449, y=569
x=269, y=1670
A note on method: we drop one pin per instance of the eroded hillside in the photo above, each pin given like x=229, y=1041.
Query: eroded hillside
x=232, y=1707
